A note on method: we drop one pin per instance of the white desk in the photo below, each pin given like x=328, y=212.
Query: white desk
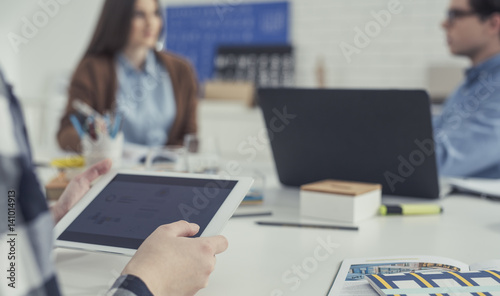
x=259, y=256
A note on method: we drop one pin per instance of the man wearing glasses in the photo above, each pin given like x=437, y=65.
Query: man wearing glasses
x=467, y=133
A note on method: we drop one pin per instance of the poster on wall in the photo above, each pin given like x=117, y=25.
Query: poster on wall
x=196, y=32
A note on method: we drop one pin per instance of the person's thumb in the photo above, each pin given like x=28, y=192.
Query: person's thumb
x=97, y=170
x=182, y=229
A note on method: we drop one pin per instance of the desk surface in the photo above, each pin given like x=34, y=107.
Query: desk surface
x=260, y=259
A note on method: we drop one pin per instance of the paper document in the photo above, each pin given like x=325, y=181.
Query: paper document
x=489, y=187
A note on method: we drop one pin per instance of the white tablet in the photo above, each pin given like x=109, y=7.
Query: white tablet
x=124, y=207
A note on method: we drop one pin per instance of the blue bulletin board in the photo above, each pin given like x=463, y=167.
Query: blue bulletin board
x=197, y=31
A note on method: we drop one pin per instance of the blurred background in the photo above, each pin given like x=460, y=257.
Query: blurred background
x=305, y=43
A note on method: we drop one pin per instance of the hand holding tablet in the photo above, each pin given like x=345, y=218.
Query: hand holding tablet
x=118, y=212
x=171, y=264
x=124, y=208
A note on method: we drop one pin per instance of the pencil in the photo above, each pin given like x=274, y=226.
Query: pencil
x=285, y=224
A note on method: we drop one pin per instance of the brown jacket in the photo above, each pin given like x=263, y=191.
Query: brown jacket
x=95, y=82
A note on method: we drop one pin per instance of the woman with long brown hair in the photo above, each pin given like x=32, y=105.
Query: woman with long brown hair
x=122, y=72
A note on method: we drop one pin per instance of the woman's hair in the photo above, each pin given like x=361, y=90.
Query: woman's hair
x=485, y=8
x=113, y=28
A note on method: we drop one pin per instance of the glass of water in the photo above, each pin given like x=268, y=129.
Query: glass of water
x=167, y=159
x=202, y=154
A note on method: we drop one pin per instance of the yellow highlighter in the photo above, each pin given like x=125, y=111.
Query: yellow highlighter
x=68, y=162
x=410, y=209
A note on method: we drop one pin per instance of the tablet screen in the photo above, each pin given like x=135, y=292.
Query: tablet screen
x=131, y=207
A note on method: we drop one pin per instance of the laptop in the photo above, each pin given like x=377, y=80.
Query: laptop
x=374, y=136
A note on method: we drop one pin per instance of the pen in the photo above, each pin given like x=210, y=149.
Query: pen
x=107, y=121
x=489, y=196
x=252, y=215
x=84, y=108
x=284, y=224
x=475, y=193
x=116, y=125
x=77, y=125
x=410, y=209
x=92, y=129
x=101, y=126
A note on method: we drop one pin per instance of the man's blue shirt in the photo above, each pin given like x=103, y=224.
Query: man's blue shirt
x=467, y=133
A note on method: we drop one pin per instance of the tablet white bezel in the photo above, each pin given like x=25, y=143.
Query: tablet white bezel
x=214, y=227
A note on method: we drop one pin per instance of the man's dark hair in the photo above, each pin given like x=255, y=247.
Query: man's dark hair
x=485, y=8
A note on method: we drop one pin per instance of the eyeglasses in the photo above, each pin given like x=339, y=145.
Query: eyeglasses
x=454, y=14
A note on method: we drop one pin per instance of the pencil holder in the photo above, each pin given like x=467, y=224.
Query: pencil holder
x=105, y=147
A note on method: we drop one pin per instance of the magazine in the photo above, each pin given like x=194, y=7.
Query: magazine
x=350, y=279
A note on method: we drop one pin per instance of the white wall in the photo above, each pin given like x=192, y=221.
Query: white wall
x=9, y=60
x=55, y=48
x=39, y=66
x=398, y=57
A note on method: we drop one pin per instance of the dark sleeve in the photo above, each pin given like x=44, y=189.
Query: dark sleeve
x=129, y=285
x=29, y=219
